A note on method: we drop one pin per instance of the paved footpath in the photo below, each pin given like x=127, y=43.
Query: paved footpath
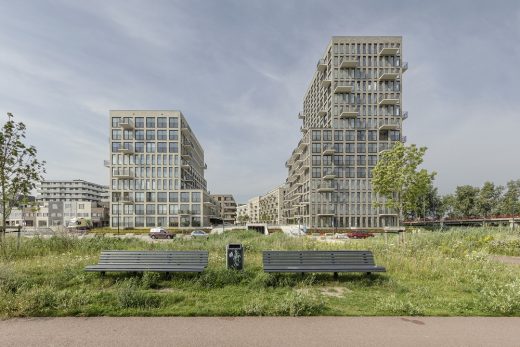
x=261, y=331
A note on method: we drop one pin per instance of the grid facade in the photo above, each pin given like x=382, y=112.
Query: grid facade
x=156, y=171
x=72, y=190
x=226, y=206
x=352, y=111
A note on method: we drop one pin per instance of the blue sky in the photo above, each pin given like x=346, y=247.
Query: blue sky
x=238, y=71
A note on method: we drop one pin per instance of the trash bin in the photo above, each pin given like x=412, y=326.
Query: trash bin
x=235, y=256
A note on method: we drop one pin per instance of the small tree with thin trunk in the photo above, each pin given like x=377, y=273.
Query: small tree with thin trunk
x=397, y=178
x=20, y=171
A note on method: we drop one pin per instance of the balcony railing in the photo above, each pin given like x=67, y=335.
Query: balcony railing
x=328, y=150
x=106, y=163
x=126, y=149
x=388, y=100
x=343, y=88
x=389, y=51
x=124, y=174
x=324, y=188
x=389, y=126
x=405, y=115
x=322, y=113
x=127, y=124
x=348, y=63
x=348, y=114
x=325, y=83
x=301, y=116
x=403, y=139
x=389, y=74
x=404, y=67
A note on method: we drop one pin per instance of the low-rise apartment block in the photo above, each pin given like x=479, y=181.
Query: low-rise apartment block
x=71, y=190
x=271, y=206
x=226, y=206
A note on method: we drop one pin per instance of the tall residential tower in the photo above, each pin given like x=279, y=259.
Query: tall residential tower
x=352, y=111
x=156, y=171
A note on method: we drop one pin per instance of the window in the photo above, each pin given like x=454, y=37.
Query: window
x=349, y=148
x=173, y=122
x=139, y=209
x=316, y=172
x=139, y=147
x=174, y=135
x=372, y=160
x=316, y=148
x=139, y=123
x=139, y=134
x=162, y=197
x=349, y=160
x=195, y=197
x=316, y=135
x=150, y=122
x=185, y=197
x=115, y=122
x=116, y=134
x=150, y=209
x=361, y=172
x=349, y=135
x=161, y=122
x=116, y=146
x=372, y=148
x=327, y=135
x=338, y=135
x=162, y=147
x=361, y=135
x=361, y=148
x=174, y=147
x=162, y=135
x=162, y=209
x=174, y=197
x=174, y=209
x=139, y=197
x=361, y=160
x=316, y=160
x=150, y=134
x=150, y=147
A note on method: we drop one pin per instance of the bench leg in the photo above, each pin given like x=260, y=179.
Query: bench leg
x=335, y=275
x=369, y=273
x=102, y=273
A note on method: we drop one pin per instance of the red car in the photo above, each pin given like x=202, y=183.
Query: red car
x=359, y=235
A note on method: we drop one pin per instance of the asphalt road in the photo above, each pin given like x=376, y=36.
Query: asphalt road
x=261, y=331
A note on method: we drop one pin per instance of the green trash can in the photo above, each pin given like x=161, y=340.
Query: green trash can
x=235, y=256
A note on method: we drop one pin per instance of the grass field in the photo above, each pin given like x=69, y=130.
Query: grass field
x=446, y=274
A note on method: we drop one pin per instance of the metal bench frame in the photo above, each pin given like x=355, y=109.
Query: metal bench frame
x=320, y=261
x=150, y=261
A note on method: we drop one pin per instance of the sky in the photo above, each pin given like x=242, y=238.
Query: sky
x=238, y=71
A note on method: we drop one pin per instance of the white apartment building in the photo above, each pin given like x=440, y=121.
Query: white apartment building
x=156, y=171
x=226, y=206
x=352, y=111
x=271, y=206
x=71, y=190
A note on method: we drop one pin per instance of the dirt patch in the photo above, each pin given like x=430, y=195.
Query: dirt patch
x=335, y=292
x=506, y=259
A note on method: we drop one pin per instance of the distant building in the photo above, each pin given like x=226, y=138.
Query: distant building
x=71, y=190
x=271, y=206
x=226, y=206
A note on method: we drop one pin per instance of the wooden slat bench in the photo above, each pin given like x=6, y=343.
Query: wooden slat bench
x=150, y=261
x=320, y=261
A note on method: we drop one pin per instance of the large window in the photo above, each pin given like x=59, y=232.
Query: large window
x=174, y=122
x=195, y=197
x=139, y=147
x=174, y=147
x=162, y=135
x=150, y=209
x=115, y=122
x=316, y=172
x=150, y=122
x=162, y=197
x=150, y=147
x=161, y=122
x=162, y=147
x=327, y=135
x=116, y=134
x=316, y=135
x=139, y=134
x=150, y=134
x=316, y=160
x=116, y=146
x=185, y=197
x=174, y=197
x=174, y=135
x=139, y=122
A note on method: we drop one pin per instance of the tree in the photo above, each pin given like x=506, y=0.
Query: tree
x=20, y=171
x=243, y=218
x=465, y=201
x=397, y=178
x=488, y=199
x=510, y=202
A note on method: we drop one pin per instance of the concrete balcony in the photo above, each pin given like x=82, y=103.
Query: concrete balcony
x=329, y=176
x=325, y=214
x=389, y=126
x=185, y=165
x=185, y=155
x=343, y=88
x=326, y=83
x=127, y=200
x=348, y=63
x=321, y=66
x=348, y=114
x=405, y=115
x=127, y=125
x=127, y=150
x=106, y=163
x=322, y=113
x=328, y=150
x=386, y=100
x=389, y=51
x=124, y=175
x=301, y=116
x=404, y=67
x=388, y=76
x=324, y=188
x=403, y=139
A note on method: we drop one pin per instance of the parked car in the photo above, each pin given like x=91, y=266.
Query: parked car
x=359, y=235
x=160, y=233
x=199, y=233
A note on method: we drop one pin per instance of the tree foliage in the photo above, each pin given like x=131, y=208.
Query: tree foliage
x=399, y=180
x=20, y=171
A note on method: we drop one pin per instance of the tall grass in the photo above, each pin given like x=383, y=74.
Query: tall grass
x=434, y=273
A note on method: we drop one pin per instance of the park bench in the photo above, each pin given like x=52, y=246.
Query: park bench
x=320, y=261
x=150, y=261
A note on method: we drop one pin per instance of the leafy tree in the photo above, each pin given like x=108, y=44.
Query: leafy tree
x=448, y=205
x=243, y=218
x=264, y=217
x=397, y=178
x=465, y=201
x=510, y=202
x=428, y=205
x=20, y=171
x=488, y=199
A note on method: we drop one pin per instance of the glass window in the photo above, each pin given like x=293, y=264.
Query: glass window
x=174, y=135
x=174, y=122
x=139, y=147
x=361, y=148
x=139, y=122
x=150, y=122
x=316, y=135
x=161, y=122
x=150, y=197
x=185, y=197
x=316, y=160
x=150, y=134
x=349, y=135
x=116, y=146
x=162, y=209
x=174, y=147
x=115, y=122
x=150, y=221
x=139, y=197
x=361, y=135
x=195, y=197
x=162, y=197
x=116, y=134
x=327, y=135
x=316, y=172
x=150, y=147
x=338, y=135
x=162, y=147
x=139, y=209
x=139, y=222
x=139, y=134
x=174, y=209
x=174, y=197
x=150, y=209
x=316, y=148
x=162, y=134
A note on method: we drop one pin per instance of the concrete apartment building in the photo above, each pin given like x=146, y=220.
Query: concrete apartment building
x=352, y=111
x=251, y=209
x=156, y=171
x=226, y=207
x=71, y=190
x=271, y=206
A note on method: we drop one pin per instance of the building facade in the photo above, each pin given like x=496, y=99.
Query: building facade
x=156, y=171
x=271, y=206
x=71, y=190
x=352, y=111
x=226, y=207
